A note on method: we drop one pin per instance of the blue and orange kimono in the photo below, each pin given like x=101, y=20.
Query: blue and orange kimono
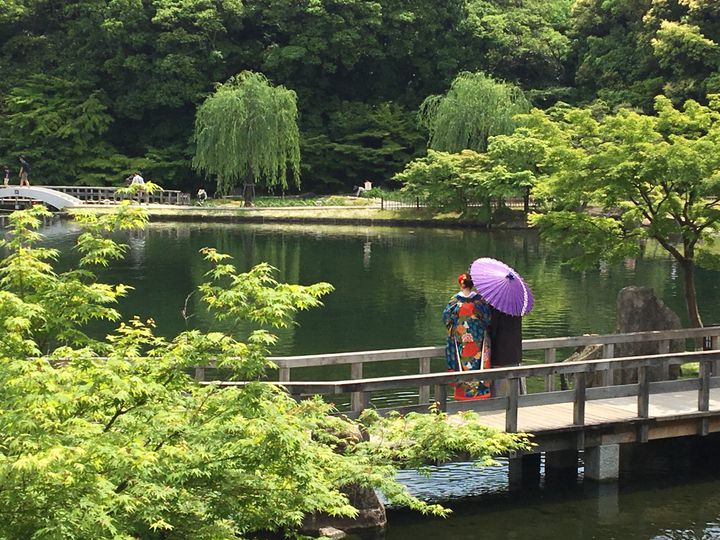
x=467, y=319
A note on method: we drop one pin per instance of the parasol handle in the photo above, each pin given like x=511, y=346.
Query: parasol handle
x=457, y=355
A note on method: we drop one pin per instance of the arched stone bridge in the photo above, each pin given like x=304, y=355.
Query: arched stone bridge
x=56, y=199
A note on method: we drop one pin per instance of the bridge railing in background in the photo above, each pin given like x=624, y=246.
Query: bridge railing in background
x=360, y=388
x=102, y=194
x=397, y=201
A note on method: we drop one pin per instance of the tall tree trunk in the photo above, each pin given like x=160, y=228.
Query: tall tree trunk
x=688, y=268
x=526, y=200
x=248, y=193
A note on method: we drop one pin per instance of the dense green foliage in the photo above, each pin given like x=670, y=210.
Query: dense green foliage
x=91, y=90
x=445, y=180
x=458, y=181
x=628, y=51
x=113, y=439
x=247, y=131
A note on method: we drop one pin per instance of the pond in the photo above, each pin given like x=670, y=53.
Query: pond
x=673, y=496
x=391, y=285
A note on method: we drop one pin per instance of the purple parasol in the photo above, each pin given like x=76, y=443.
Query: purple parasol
x=501, y=286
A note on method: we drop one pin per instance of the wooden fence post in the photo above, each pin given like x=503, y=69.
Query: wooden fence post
x=358, y=400
x=715, y=345
x=441, y=397
x=424, y=391
x=609, y=374
x=579, y=407
x=643, y=402
x=550, y=379
x=511, y=413
x=664, y=348
x=704, y=394
x=579, y=404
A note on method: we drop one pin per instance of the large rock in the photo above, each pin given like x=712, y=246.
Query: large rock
x=639, y=310
x=371, y=514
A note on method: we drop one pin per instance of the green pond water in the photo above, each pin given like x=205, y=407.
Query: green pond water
x=391, y=285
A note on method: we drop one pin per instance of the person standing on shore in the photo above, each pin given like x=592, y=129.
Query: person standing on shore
x=137, y=179
x=24, y=171
x=6, y=176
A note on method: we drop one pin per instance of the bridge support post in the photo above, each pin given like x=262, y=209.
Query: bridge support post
x=561, y=465
x=524, y=471
x=602, y=463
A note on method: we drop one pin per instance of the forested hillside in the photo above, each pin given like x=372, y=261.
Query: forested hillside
x=93, y=89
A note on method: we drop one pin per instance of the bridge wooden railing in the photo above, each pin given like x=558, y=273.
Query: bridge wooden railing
x=361, y=388
x=109, y=193
x=549, y=346
x=511, y=403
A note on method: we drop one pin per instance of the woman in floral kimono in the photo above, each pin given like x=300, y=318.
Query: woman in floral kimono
x=467, y=318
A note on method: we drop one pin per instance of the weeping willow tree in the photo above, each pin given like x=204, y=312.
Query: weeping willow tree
x=475, y=108
x=247, y=131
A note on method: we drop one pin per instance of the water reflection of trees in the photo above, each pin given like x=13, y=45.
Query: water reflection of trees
x=394, y=299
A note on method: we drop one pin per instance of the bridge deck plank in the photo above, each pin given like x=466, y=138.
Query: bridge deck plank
x=541, y=418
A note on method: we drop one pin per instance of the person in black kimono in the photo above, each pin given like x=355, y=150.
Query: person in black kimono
x=506, y=338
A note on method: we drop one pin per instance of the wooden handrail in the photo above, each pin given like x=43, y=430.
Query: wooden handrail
x=511, y=403
x=361, y=357
x=445, y=377
x=361, y=388
x=98, y=193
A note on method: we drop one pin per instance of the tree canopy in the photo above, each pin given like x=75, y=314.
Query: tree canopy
x=628, y=51
x=612, y=181
x=148, y=66
x=144, y=68
x=475, y=108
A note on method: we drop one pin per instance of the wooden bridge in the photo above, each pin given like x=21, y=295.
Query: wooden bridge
x=61, y=197
x=105, y=194
x=595, y=420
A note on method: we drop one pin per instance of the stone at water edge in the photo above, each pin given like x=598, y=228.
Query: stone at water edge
x=638, y=310
x=332, y=533
x=371, y=514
